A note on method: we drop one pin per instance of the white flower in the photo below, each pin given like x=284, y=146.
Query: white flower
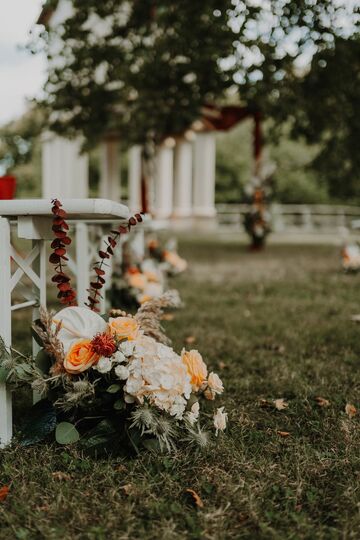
x=104, y=365
x=121, y=372
x=127, y=347
x=215, y=383
x=158, y=374
x=193, y=414
x=119, y=357
x=220, y=419
x=78, y=323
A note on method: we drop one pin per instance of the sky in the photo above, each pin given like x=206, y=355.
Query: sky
x=21, y=74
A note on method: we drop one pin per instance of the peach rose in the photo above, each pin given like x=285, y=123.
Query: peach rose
x=124, y=328
x=196, y=367
x=80, y=357
x=136, y=280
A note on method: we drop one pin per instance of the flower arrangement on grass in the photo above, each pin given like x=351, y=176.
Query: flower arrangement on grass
x=167, y=256
x=111, y=383
x=350, y=258
x=114, y=383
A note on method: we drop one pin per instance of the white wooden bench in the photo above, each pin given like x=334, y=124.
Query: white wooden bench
x=33, y=221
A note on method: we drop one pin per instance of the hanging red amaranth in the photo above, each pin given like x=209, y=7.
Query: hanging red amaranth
x=97, y=285
x=58, y=257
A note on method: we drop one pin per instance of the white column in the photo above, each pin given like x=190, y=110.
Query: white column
x=183, y=179
x=64, y=168
x=82, y=263
x=163, y=203
x=134, y=178
x=110, y=170
x=5, y=328
x=204, y=175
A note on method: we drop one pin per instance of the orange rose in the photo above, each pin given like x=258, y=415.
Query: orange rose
x=80, y=357
x=124, y=328
x=196, y=367
x=136, y=280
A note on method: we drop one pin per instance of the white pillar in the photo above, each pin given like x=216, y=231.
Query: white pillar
x=64, y=168
x=204, y=175
x=163, y=203
x=183, y=179
x=82, y=262
x=134, y=178
x=110, y=170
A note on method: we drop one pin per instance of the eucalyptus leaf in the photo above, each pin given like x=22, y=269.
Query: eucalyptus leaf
x=113, y=388
x=66, y=433
x=119, y=405
x=39, y=422
x=103, y=439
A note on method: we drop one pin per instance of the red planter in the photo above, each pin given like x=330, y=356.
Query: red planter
x=7, y=187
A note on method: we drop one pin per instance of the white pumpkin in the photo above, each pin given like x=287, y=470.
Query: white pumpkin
x=78, y=323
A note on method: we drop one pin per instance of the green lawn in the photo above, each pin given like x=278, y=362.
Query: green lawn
x=274, y=325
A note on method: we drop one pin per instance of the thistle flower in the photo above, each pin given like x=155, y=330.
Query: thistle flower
x=197, y=437
x=144, y=418
x=40, y=386
x=103, y=344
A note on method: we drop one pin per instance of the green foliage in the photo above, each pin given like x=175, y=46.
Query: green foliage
x=66, y=433
x=40, y=421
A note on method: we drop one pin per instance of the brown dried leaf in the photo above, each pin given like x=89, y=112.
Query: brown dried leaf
x=280, y=404
x=322, y=402
x=190, y=339
x=283, y=433
x=350, y=410
x=127, y=489
x=222, y=365
x=60, y=476
x=196, y=500
x=4, y=492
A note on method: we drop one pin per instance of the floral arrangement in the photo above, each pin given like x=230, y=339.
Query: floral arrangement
x=112, y=383
x=167, y=256
x=257, y=219
x=350, y=258
x=115, y=383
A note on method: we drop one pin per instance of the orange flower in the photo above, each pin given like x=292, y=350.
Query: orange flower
x=136, y=280
x=196, y=367
x=124, y=328
x=80, y=357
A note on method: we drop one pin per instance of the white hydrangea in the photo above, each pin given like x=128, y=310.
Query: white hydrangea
x=158, y=374
x=127, y=347
x=119, y=357
x=122, y=372
x=104, y=365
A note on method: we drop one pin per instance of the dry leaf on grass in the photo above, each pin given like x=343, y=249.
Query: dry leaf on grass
x=350, y=410
x=222, y=365
x=59, y=475
x=127, y=489
x=283, y=433
x=355, y=318
x=4, y=492
x=196, y=500
x=280, y=404
x=168, y=317
x=190, y=339
x=322, y=402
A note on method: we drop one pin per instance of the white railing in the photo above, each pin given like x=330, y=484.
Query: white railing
x=294, y=217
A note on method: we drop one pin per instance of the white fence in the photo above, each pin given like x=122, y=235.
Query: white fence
x=294, y=217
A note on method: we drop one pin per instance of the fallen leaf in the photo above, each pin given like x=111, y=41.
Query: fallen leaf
x=59, y=475
x=190, y=339
x=4, y=492
x=247, y=313
x=265, y=403
x=322, y=402
x=355, y=318
x=222, y=365
x=280, y=404
x=283, y=433
x=168, y=317
x=195, y=498
x=350, y=410
x=127, y=489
